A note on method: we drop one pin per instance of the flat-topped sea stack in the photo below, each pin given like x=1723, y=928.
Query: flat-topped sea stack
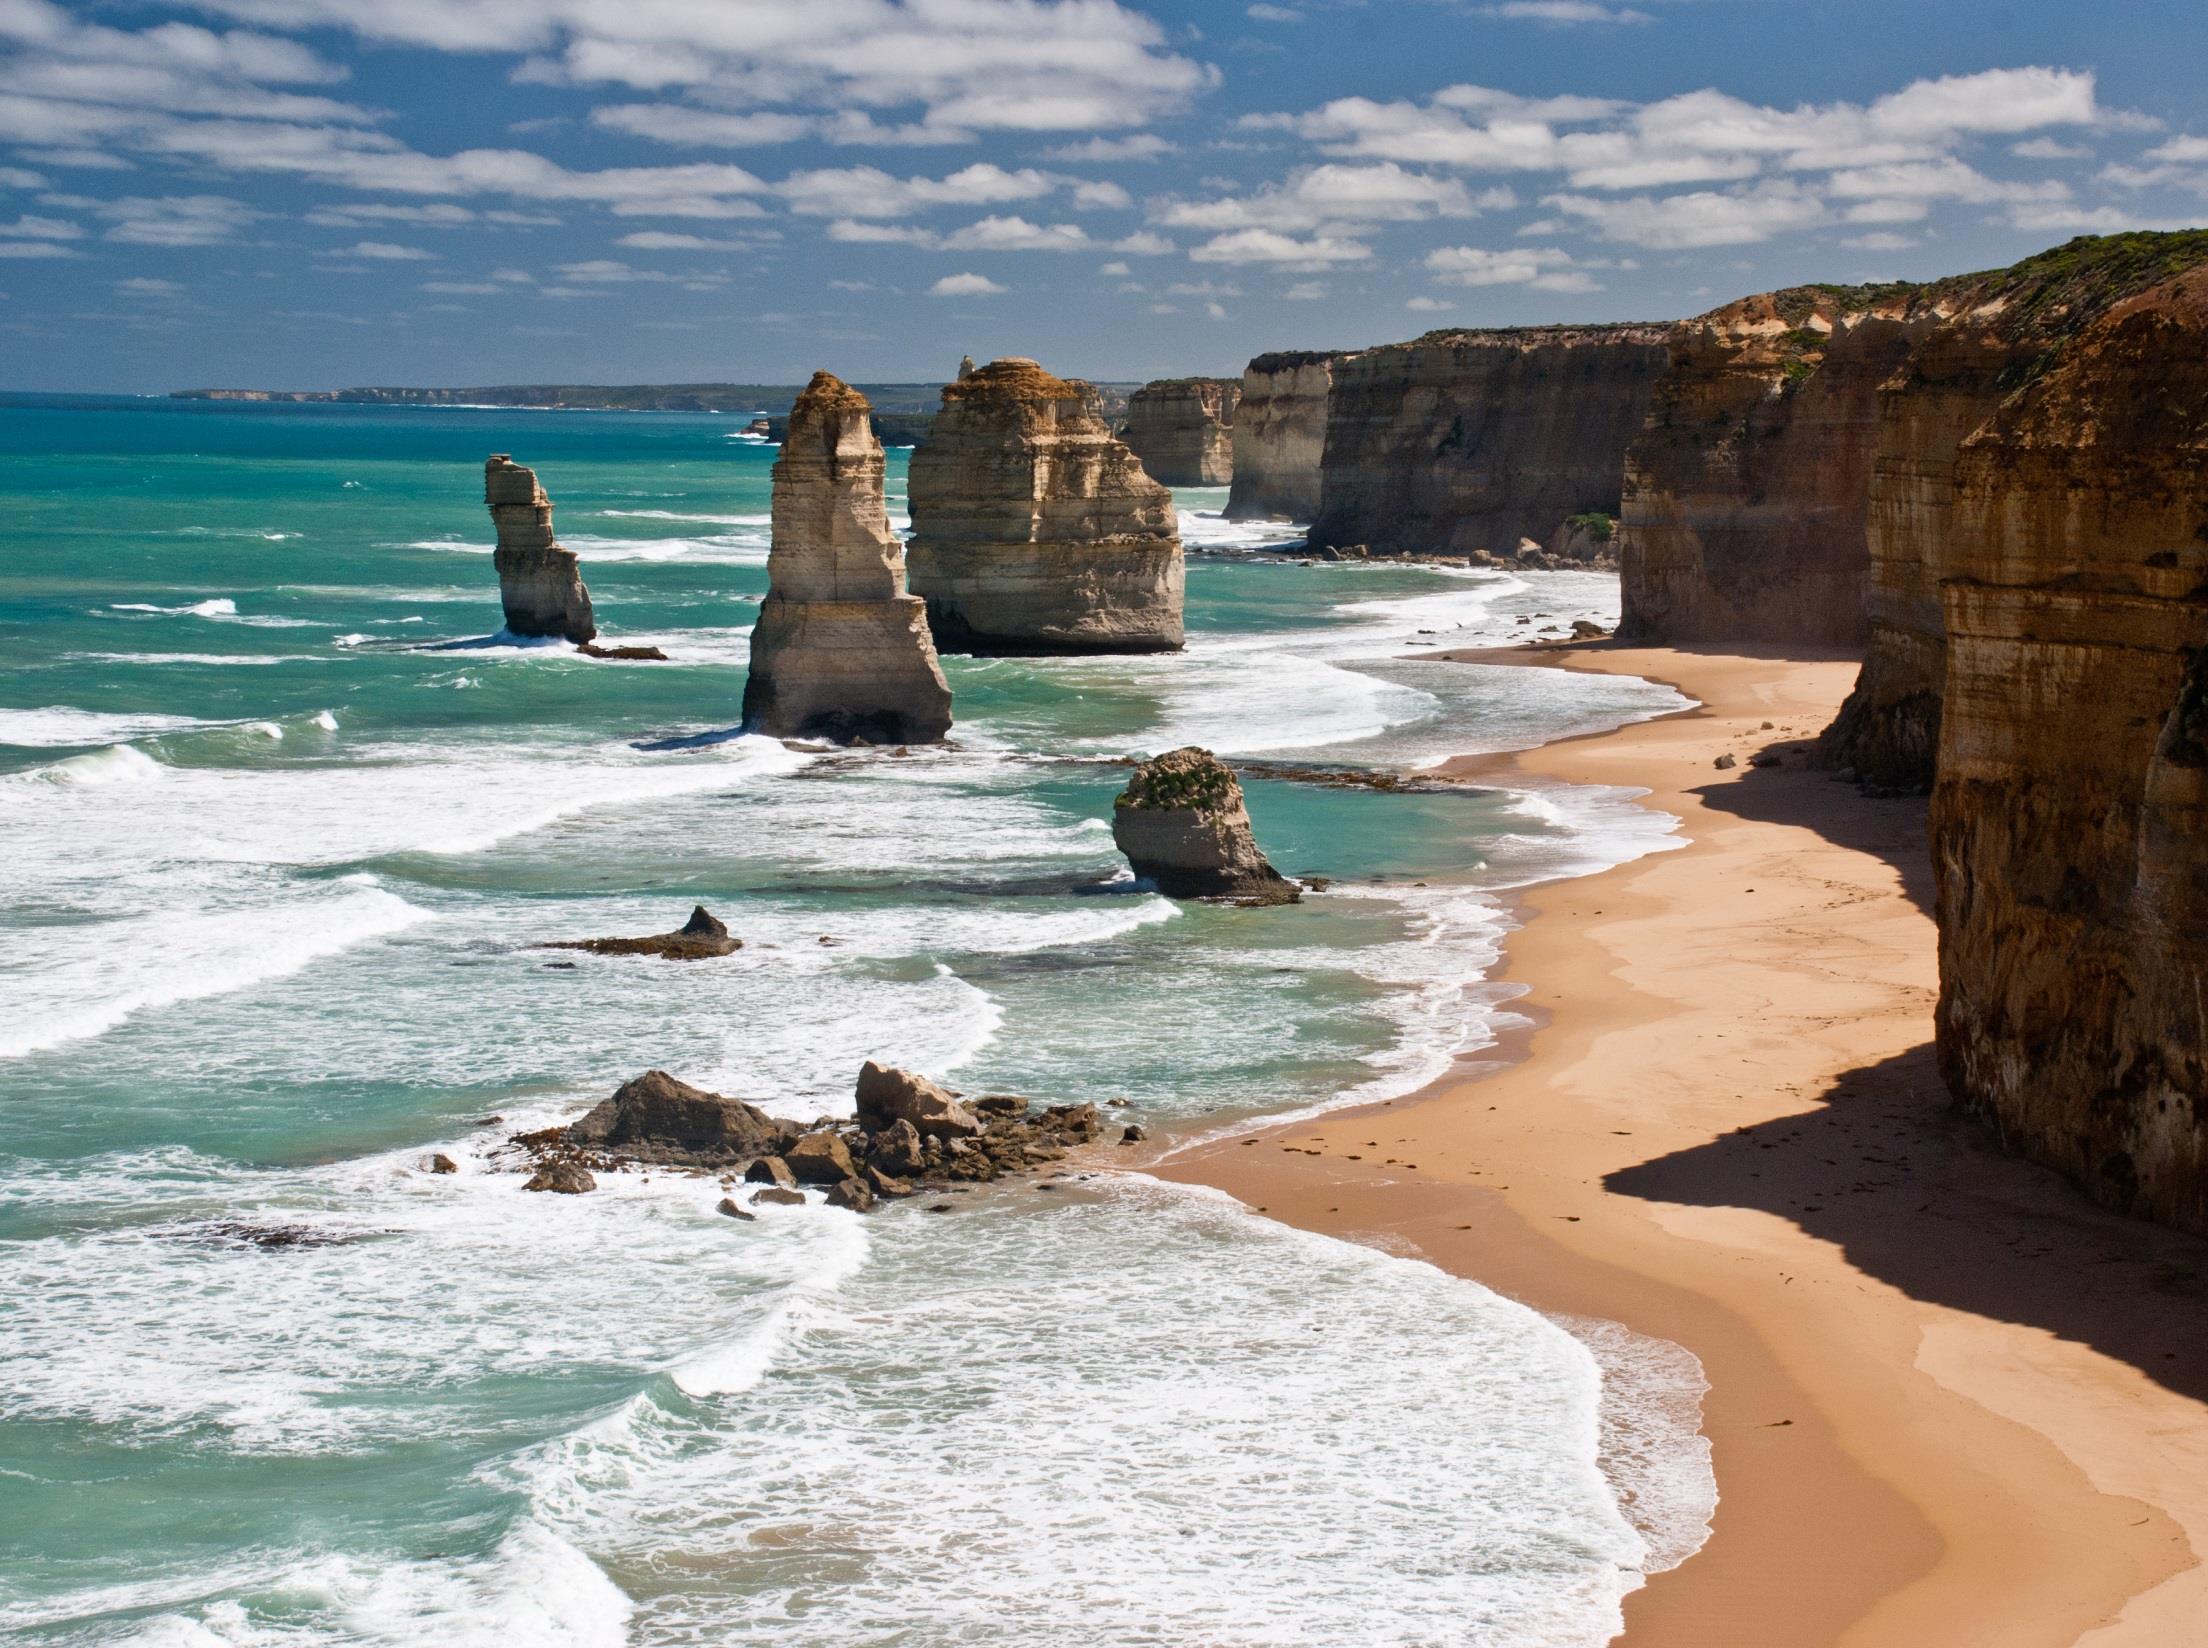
x=1183, y=429
x=1467, y=442
x=841, y=650
x=1280, y=436
x=1183, y=826
x=1034, y=529
x=540, y=583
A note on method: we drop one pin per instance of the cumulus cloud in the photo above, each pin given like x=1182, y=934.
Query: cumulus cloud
x=989, y=234
x=1546, y=268
x=1270, y=246
x=965, y=286
x=1027, y=65
x=1702, y=218
x=1334, y=196
x=867, y=191
x=385, y=251
x=1565, y=12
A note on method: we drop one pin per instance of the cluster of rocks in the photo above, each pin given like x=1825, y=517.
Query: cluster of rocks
x=703, y=936
x=908, y=1136
x=1035, y=529
x=1182, y=823
x=840, y=650
x=540, y=581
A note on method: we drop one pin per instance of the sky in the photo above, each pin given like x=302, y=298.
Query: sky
x=318, y=193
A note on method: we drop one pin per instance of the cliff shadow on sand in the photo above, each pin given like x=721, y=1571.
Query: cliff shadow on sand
x=1925, y=1199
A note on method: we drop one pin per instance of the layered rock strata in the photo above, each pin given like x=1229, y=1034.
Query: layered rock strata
x=1182, y=823
x=1280, y=436
x=1183, y=429
x=1747, y=494
x=540, y=582
x=1035, y=530
x=2070, y=814
x=840, y=650
x=1475, y=440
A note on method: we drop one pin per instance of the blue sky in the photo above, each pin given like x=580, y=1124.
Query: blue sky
x=311, y=193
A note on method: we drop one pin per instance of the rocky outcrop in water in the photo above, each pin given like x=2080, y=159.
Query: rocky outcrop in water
x=1747, y=495
x=2070, y=814
x=657, y=1121
x=1280, y=436
x=1469, y=441
x=1035, y=530
x=540, y=583
x=840, y=650
x=1183, y=429
x=1183, y=826
x=700, y=938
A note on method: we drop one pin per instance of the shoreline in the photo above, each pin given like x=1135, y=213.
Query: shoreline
x=1951, y=1402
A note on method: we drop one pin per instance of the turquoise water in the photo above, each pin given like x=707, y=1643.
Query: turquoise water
x=285, y=815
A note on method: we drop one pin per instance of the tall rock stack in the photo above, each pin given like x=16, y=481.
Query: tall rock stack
x=1034, y=530
x=2070, y=814
x=1280, y=436
x=840, y=651
x=1183, y=429
x=540, y=583
x=1466, y=441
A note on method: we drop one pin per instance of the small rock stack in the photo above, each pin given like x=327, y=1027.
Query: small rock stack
x=540, y=583
x=1183, y=827
x=840, y=651
x=1034, y=528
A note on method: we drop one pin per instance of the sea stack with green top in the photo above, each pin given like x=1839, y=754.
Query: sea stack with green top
x=1184, y=829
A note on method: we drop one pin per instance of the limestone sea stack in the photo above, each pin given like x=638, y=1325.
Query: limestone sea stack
x=1035, y=530
x=1280, y=436
x=840, y=651
x=1183, y=826
x=1183, y=429
x=540, y=582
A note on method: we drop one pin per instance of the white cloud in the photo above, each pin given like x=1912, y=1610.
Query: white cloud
x=1547, y=268
x=1427, y=305
x=1703, y=218
x=1880, y=240
x=1565, y=12
x=989, y=234
x=441, y=215
x=1330, y=196
x=1142, y=243
x=1216, y=311
x=1115, y=269
x=1100, y=151
x=2048, y=148
x=15, y=177
x=145, y=286
x=41, y=228
x=36, y=249
x=1270, y=246
x=965, y=286
x=1273, y=14
x=661, y=240
x=867, y=191
x=174, y=220
x=1305, y=291
x=1029, y=65
x=385, y=251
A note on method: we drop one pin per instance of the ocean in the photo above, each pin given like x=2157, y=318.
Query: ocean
x=284, y=815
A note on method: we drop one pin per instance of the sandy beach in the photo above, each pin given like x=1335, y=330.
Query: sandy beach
x=1951, y=1403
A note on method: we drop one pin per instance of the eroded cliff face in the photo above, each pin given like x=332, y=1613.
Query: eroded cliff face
x=1035, y=530
x=2070, y=814
x=1280, y=436
x=1462, y=442
x=540, y=581
x=1183, y=430
x=840, y=650
x=1747, y=496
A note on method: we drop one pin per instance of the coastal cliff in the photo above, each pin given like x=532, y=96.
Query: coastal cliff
x=1034, y=529
x=840, y=650
x=540, y=581
x=1468, y=441
x=1280, y=436
x=2070, y=814
x=1747, y=494
x=1183, y=429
